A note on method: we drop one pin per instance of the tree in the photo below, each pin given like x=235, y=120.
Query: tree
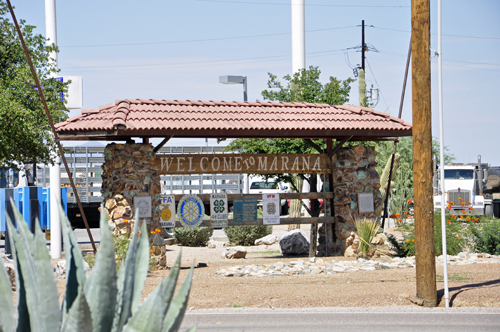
x=402, y=179
x=303, y=86
x=25, y=133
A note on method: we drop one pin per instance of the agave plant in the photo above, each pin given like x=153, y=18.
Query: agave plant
x=105, y=301
x=367, y=229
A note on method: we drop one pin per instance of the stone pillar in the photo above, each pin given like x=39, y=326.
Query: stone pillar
x=129, y=171
x=354, y=172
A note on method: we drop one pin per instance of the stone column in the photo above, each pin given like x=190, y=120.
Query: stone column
x=354, y=172
x=129, y=171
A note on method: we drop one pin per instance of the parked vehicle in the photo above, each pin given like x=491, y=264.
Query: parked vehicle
x=469, y=188
x=262, y=186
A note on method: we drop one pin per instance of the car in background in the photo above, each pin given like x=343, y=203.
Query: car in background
x=271, y=187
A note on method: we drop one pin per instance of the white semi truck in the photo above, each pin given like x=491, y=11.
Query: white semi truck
x=469, y=188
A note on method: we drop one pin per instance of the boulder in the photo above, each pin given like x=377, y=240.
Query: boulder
x=267, y=240
x=350, y=252
x=294, y=243
x=234, y=252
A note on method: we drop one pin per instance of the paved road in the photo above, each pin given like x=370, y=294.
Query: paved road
x=385, y=319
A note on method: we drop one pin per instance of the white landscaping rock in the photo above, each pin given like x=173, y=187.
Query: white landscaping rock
x=234, y=252
x=60, y=269
x=267, y=240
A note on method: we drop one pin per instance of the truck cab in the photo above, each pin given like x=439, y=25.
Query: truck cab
x=462, y=193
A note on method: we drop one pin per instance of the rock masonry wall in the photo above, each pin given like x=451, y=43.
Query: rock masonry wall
x=128, y=171
x=353, y=172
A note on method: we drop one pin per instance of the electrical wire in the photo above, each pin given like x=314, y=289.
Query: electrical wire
x=194, y=63
x=444, y=34
x=378, y=86
x=307, y=5
x=203, y=40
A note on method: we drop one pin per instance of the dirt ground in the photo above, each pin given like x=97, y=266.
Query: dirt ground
x=474, y=285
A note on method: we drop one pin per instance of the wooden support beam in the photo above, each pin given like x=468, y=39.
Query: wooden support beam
x=314, y=145
x=283, y=221
x=162, y=143
x=338, y=146
x=231, y=197
x=422, y=153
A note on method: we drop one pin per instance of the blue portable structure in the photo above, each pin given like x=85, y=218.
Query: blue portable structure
x=32, y=202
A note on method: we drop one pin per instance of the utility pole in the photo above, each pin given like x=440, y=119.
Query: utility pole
x=363, y=46
x=422, y=154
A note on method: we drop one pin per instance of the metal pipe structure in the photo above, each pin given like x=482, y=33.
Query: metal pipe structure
x=441, y=157
x=51, y=123
x=298, y=36
x=55, y=169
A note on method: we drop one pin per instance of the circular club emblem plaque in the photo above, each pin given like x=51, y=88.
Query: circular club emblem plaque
x=271, y=208
x=191, y=211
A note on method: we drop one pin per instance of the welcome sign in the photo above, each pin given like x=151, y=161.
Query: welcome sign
x=243, y=163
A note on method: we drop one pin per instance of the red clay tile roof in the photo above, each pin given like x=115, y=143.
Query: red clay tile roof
x=222, y=119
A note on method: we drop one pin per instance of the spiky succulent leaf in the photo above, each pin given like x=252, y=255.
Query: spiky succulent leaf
x=100, y=288
x=28, y=310
x=150, y=315
x=48, y=296
x=7, y=316
x=75, y=272
x=142, y=267
x=78, y=317
x=192, y=329
x=126, y=289
x=177, y=308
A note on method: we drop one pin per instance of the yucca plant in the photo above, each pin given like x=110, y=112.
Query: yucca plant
x=367, y=229
x=106, y=301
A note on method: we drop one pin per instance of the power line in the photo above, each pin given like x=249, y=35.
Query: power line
x=203, y=40
x=444, y=34
x=379, y=90
x=307, y=5
x=191, y=63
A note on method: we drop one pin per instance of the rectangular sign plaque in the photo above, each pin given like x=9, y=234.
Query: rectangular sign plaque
x=242, y=163
x=167, y=206
x=271, y=209
x=218, y=210
x=245, y=210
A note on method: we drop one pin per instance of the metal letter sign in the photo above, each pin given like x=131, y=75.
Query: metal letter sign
x=191, y=211
x=218, y=213
x=271, y=209
x=143, y=203
x=167, y=206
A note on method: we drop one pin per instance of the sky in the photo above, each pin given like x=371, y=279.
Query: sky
x=177, y=49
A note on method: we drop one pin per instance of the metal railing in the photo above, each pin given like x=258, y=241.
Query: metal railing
x=85, y=167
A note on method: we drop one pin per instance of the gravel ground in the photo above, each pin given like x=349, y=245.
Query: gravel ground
x=474, y=285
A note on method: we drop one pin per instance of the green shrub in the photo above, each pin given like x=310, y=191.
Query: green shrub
x=246, y=235
x=196, y=237
x=487, y=237
x=456, y=237
x=105, y=301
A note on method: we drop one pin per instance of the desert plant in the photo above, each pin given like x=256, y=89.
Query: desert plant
x=196, y=237
x=456, y=236
x=367, y=229
x=486, y=236
x=106, y=301
x=246, y=235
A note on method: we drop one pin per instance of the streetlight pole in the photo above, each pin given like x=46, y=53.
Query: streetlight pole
x=232, y=79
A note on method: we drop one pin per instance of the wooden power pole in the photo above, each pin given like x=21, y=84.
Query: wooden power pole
x=422, y=153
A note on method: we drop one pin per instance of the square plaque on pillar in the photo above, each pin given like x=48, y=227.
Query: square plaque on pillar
x=143, y=203
x=365, y=203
